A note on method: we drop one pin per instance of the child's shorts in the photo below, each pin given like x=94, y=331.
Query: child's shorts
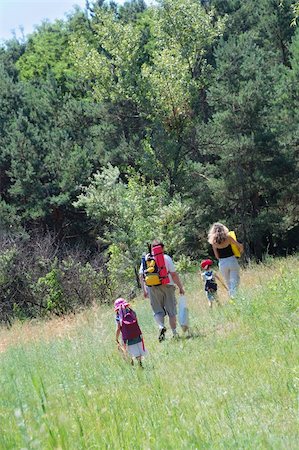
x=136, y=350
x=211, y=295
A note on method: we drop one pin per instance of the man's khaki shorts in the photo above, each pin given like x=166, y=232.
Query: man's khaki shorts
x=163, y=299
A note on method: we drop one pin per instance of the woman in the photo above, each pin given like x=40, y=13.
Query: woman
x=228, y=265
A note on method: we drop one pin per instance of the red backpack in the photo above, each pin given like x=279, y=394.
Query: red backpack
x=129, y=325
x=154, y=267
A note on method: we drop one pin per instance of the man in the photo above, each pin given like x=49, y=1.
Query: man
x=162, y=297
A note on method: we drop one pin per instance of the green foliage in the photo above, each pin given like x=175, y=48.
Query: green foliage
x=53, y=294
x=131, y=10
x=296, y=13
x=113, y=65
x=184, y=264
x=157, y=62
x=6, y=259
x=285, y=122
x=183, y=31
x=35, y=282
x=48, y=51
x=47, y=153
x=268, y=21
x=120, y=269
x=132, y=215
x=251, y=162
x=46, y=48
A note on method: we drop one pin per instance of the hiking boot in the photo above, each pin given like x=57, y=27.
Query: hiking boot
x=162, y=334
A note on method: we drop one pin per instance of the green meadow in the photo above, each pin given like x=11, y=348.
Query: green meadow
x=232, y=384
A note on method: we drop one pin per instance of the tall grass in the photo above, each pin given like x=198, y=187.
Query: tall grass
x=234, y=384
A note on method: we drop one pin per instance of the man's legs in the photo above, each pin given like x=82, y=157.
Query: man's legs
x=156, y=299
x=172, y=323
x=159, y=318
x=170, y=307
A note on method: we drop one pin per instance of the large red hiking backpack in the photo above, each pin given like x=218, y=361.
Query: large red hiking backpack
x=158, y=254
x=129, y=325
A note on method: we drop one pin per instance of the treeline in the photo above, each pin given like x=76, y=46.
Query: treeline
x=122, y=123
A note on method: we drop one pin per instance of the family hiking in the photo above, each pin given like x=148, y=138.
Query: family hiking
x=158, y=278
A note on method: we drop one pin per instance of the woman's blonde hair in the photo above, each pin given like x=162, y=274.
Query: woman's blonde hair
x=217, y=234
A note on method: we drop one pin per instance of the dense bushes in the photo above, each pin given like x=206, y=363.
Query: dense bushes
x=39, y=276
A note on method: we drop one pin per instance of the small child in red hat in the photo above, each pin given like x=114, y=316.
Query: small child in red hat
x=209, y=278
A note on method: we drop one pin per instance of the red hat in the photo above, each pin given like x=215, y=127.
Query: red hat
x=206, y=263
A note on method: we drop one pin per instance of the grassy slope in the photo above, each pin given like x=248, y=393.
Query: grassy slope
x=233, y=385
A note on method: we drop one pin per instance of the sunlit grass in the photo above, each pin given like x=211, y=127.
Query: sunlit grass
x=233, y=385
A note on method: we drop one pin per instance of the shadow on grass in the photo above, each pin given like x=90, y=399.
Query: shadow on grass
x=193, y=333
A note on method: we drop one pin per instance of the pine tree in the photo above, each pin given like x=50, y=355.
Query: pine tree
x=285, y=121
x=251, y=169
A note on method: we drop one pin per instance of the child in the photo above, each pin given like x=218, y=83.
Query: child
x=127, y=325
x=209, y=277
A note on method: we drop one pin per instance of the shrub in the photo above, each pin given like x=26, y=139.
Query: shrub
x=39, y=277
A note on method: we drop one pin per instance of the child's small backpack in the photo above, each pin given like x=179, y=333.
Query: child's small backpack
x=210, y=285
x=129, y=325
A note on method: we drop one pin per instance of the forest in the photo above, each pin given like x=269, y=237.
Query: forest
x=124, y=123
